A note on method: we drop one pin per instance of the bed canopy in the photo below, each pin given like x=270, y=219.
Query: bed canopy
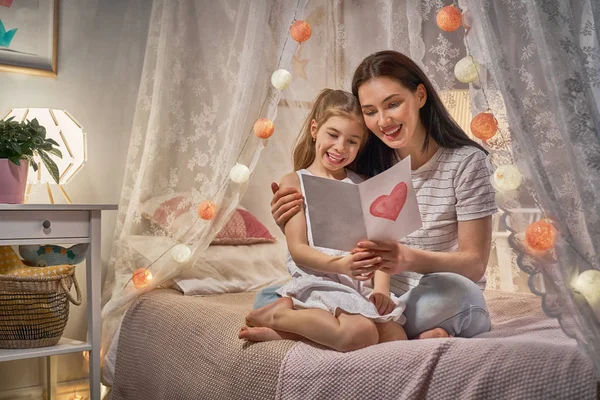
x=207, y=79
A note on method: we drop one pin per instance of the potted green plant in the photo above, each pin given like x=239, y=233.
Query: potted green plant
x=19, y=143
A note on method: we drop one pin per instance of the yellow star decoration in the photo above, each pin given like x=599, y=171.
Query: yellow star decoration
x=11, y=265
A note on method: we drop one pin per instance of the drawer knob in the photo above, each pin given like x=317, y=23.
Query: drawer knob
x=46, y=224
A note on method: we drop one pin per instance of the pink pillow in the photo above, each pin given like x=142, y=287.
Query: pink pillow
x=173, y=213
x=243, y=228
x=174, y=207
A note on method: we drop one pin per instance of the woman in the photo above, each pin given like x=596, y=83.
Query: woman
x=433, y=270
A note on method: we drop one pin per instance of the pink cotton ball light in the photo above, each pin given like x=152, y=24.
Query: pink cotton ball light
x=207, y=210
x=540, y=235
x=484, y=126
x=264, y=128
x=141, y=278
x=449, y=19
x=301, y=31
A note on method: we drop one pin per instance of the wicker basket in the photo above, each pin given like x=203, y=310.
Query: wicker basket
x=34, y=310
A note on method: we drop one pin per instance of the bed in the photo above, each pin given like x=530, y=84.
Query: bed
x=173, y=346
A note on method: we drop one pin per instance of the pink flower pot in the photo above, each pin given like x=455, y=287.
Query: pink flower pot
x=13, y=180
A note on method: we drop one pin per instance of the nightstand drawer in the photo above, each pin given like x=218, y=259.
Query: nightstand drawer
x=44, y=224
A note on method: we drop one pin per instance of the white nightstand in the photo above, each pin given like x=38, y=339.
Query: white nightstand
x=61, y=224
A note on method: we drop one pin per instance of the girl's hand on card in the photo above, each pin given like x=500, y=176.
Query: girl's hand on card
x=383, y=302
x=285, y=204
x=395, y=257
x=359, y=265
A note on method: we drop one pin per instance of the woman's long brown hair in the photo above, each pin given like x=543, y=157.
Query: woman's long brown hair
x=376, y=156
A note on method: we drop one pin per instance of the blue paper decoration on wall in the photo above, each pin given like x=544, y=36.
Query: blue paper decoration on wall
x=6, y=37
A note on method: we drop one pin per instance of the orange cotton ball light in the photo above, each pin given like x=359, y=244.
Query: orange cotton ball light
x=540, y=235
x=301, y=31
x=484, y=126
x=207, y=210
x=449, y=19
x=264, y=128
x=141, y=278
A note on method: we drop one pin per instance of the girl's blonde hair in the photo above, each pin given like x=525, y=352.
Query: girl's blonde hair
x=329, y=103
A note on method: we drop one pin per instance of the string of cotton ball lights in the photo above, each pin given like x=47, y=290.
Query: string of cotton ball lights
x=484, y=126
x=263, y=128
x=540, y=236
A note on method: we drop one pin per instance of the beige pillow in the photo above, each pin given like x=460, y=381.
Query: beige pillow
x=223, y=269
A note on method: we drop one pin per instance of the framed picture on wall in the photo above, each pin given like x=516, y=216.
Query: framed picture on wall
x=29, y=36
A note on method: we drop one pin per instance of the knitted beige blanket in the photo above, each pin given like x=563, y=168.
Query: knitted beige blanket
x=185, y=347
x=525, y=356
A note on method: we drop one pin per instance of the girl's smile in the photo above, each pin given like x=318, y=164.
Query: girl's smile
x=337, y=142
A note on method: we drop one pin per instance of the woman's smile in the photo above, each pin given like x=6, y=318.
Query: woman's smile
x=392, y=132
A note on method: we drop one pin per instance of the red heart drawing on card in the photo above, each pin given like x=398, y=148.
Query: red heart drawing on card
x=389, y=207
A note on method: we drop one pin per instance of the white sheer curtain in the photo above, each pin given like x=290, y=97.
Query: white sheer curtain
x=541, y=80
x=204, y=83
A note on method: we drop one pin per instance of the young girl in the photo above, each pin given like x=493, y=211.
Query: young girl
x=323, y=303
x=433, y=269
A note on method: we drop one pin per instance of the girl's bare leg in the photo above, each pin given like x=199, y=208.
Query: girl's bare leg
x=264, y=334
x=343, y=333
x=390, y=331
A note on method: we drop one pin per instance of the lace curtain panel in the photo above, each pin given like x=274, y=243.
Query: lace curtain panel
x=542, y=82
x=204, y=82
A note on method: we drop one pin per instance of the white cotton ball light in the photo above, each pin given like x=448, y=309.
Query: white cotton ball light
x=281, y=79
x=181, y=253
x=506, y=178
x=239, y=173
x=466, y=70
x=588, y=284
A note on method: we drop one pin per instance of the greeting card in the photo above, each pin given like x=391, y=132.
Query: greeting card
x=381, y=208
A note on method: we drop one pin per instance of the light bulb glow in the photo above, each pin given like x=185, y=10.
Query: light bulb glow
x=141, y=278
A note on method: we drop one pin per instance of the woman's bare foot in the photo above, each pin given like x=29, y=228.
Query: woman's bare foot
x=263, y=317
x=436, y=333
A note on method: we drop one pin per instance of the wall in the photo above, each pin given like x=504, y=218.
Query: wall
x=100, y=58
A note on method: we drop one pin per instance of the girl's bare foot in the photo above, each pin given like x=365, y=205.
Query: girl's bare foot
x=263, y=317
x=258, y=334
x=436, y=333
x=262, y=334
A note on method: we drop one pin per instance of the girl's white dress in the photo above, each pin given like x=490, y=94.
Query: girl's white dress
x=330, y=292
